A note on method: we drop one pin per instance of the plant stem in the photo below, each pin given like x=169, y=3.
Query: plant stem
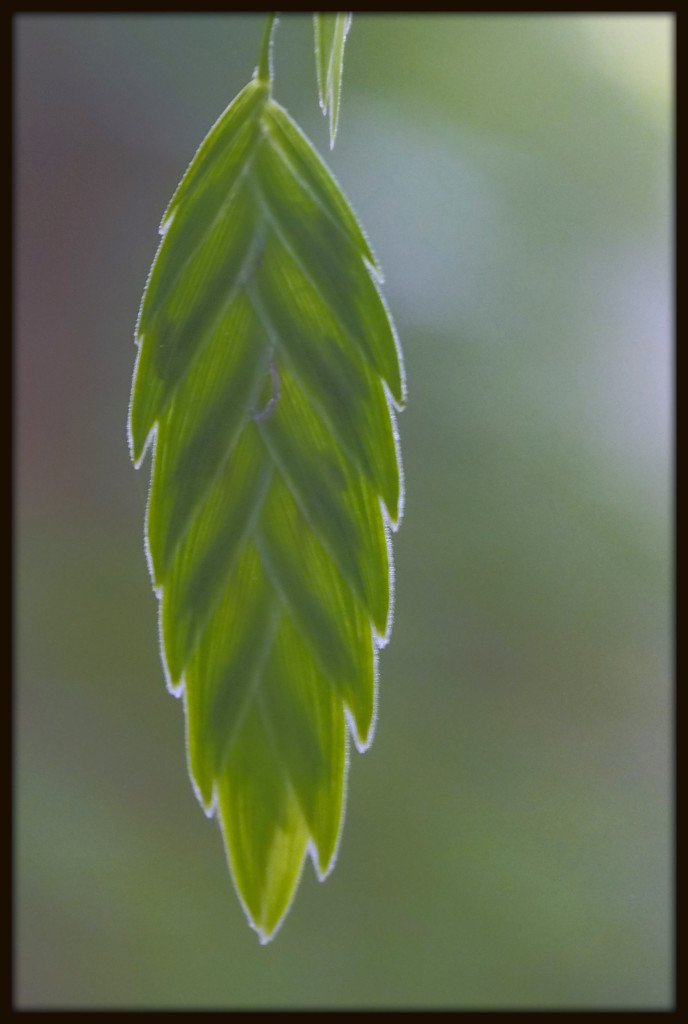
x=264, y=69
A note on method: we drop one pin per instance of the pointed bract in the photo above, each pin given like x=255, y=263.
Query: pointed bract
x=330, y=36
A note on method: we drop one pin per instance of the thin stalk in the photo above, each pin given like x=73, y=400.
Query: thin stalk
x=264, y=69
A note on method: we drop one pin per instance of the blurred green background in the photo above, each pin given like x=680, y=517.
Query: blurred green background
x=508, y=839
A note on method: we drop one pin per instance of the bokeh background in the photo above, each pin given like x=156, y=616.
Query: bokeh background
x=508, y=839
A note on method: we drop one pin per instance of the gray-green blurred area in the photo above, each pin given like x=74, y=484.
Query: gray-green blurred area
x=509, y=835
